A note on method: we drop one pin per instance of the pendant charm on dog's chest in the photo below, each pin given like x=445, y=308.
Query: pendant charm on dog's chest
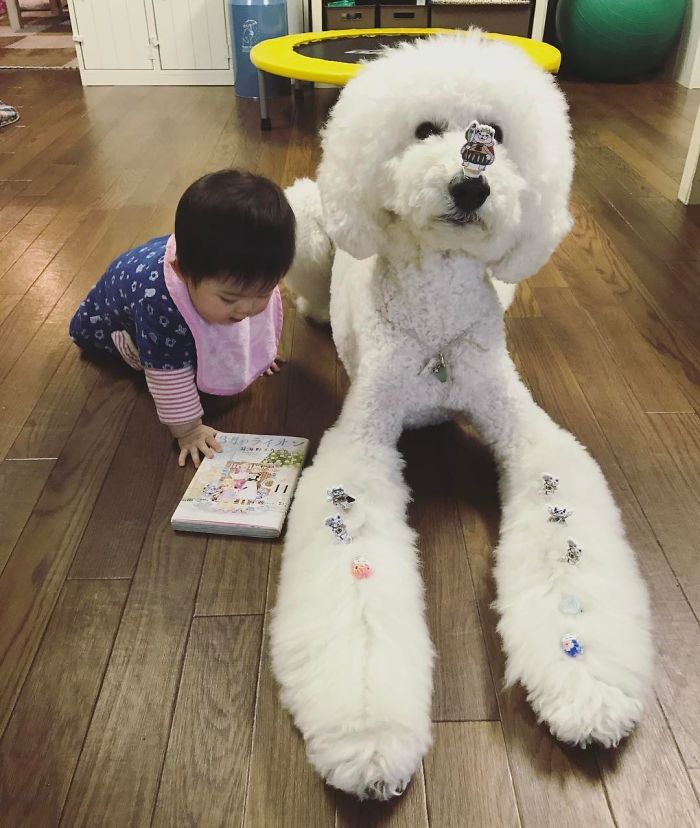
x=437, y=367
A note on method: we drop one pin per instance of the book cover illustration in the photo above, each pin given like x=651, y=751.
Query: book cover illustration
x=250, y=482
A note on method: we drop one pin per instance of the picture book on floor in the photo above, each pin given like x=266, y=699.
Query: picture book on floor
x=246, y=489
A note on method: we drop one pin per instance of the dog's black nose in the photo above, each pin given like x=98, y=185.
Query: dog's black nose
x=470, y=193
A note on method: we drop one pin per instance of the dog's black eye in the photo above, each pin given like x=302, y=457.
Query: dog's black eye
x=498, y=133
x=428, y=128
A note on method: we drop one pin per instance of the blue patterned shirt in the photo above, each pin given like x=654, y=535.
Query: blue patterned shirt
x=132, y=296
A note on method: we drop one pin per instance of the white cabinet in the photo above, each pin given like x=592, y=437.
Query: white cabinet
x=192, y=34
x=164, y=42
x=113, y=34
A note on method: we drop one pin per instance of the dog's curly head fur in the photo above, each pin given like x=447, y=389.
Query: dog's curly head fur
x=391, y=149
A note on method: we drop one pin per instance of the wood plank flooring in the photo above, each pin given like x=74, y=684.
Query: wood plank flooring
x=135, y=684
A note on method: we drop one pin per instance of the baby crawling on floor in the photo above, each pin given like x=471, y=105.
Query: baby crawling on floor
x=199, y=310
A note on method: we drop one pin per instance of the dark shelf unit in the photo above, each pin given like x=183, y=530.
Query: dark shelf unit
x=504, y=16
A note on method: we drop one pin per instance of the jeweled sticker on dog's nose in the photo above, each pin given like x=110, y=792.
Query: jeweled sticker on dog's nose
x=479, y=150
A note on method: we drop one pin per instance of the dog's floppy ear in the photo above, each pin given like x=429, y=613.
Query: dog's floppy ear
x=547, y=166
x=348, y=176
x=541, y=234
x=347, y=216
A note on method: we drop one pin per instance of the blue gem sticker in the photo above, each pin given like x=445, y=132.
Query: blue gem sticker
x=571, y=645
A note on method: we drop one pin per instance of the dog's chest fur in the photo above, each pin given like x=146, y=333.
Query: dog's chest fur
x=439, y=300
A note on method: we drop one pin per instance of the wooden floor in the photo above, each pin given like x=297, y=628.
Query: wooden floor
x=135, y=683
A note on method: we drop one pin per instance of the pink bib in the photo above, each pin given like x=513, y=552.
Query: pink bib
x=229, y=357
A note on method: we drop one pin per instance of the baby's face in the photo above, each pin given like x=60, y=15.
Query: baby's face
x=226, y=302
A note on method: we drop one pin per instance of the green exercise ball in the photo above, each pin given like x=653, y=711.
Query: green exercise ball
x=617, y=40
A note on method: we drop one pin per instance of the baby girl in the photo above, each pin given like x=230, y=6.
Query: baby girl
x=199, y=310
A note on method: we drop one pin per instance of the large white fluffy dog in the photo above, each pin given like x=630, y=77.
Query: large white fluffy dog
x=413, y=246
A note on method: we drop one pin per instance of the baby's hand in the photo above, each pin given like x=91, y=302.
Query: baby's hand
x=277, y=362
x=201, y=438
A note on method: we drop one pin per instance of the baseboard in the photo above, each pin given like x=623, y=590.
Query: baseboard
x=156, y=77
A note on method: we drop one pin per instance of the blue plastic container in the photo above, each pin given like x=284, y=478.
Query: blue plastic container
x=252, y=21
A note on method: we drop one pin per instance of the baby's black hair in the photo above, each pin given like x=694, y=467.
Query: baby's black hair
x=234, y=225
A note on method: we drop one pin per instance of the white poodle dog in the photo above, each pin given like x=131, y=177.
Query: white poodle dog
x=414, y=244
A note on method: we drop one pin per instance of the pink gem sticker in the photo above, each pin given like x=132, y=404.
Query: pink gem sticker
x=361, y=569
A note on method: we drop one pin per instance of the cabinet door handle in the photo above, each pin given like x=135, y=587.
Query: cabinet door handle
x=351, y=16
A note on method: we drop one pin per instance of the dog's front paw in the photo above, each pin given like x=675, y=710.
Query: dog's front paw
x=373, y=762
x=582, y=649
x=595, y=713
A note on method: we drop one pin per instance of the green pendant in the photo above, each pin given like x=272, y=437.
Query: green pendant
x=439, y=369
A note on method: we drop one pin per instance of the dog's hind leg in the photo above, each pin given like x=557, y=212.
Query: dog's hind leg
x=574, y=610
x=350, y=644
x=310, y=275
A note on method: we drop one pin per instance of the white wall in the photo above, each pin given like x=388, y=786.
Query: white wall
x=689, y=192
x=687, y=67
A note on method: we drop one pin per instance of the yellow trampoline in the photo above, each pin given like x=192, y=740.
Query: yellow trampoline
x=335, y=57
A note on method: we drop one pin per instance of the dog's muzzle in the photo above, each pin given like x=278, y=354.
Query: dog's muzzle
x=469, y=194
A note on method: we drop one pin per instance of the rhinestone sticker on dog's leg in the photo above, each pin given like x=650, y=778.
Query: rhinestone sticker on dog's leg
x=570, y=605
x=361, y=569
x=338, y=528
x=559, y=514
x=571, y=645
x=573, y=552
x=339, y=497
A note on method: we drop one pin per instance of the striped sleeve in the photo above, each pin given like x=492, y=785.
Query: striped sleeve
x=125, y=345
x=175, y=395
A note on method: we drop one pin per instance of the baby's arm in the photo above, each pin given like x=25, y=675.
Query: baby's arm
x=178, y=405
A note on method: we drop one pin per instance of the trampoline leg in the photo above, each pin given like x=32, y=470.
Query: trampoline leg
x=298, y=88
x=265, y=122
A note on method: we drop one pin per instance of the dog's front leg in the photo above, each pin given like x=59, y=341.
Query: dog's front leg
x=574, y=609
x=350, y=644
